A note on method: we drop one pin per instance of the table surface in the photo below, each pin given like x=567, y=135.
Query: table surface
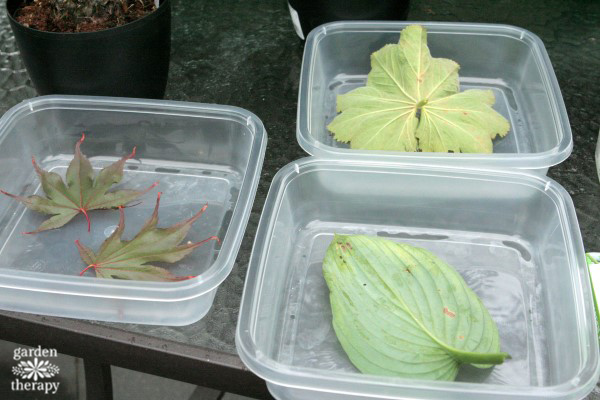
x=245, y=53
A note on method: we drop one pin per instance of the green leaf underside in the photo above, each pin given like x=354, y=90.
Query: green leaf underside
x=117, y=259
x=405, y=81
x=399, y=310
x=81, y=193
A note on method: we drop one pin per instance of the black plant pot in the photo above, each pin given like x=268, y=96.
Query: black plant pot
x=312, y=13
x=127, y=61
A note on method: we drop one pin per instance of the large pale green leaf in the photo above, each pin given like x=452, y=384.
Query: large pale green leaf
x=376, y=120
x=412, y=102
x=460, y=123
x=399, y=310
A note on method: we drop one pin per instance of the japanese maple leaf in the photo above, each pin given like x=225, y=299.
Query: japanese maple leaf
x=119, y=259
x=412, y=102
x=81, y=193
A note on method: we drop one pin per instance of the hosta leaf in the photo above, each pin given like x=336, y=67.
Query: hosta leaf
x=81, y=193
x=399, y=310
x=119, y=259
x=412, y=102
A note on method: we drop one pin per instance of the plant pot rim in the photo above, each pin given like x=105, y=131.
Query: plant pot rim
x=95, y=34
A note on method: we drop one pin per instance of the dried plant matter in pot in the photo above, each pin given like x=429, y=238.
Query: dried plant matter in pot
x=412, y=103
x=117, y=259
x=83, y=191
x=399, y=310
x=81, y=15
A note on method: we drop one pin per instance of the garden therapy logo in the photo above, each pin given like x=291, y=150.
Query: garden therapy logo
x=33, y=370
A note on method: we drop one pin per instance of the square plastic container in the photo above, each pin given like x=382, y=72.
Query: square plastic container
x=200, y=154
x=510, y=61
x=514, y=237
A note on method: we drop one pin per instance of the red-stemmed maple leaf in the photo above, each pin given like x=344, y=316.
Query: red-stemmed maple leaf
x=117, y=259
x=83, y=191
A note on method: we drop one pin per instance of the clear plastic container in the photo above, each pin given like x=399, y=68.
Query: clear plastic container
x=200, y=154
x=513, y=236
x=510, y=61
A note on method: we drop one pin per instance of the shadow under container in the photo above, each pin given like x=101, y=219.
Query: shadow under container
x=510, y=61
x=514, y=238
x=199, y=154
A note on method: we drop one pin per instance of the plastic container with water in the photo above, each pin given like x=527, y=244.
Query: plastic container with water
x=514, y=237
x=510, y=231
x=510, y=61
x=200, y=154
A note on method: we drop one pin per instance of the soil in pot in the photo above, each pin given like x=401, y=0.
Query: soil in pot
x=81, y=15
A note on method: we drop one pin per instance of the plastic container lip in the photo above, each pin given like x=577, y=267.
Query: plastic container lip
x=511, y=160
x=140, y=290
x=356, y=384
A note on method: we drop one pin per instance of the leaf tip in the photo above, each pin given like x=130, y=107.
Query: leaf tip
x=215, y=238
x=155, y=184
x=78, y=145
x=36, y=166
x=78, y=244
x=7, y=194
x=130, y=156
x=195, y=217
x=339, y=237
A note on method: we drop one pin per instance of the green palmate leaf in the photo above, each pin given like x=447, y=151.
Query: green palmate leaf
x=399, y=310
x=412, y=102
x=119, y=259
x=81, y=193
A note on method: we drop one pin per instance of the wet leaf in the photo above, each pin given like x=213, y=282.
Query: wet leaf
x=399, y=310
x=83, y=191
x=117, y=259
x=412, y=102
